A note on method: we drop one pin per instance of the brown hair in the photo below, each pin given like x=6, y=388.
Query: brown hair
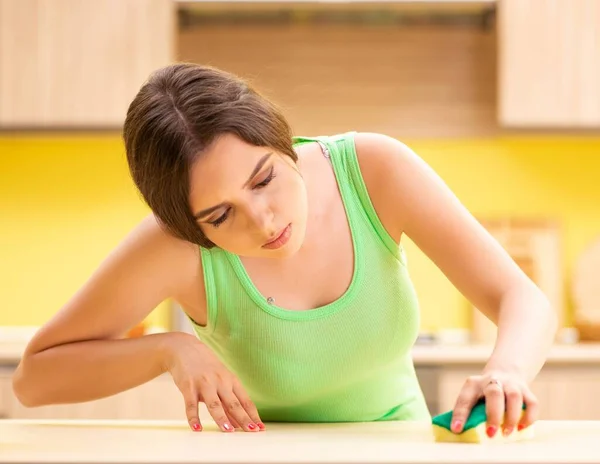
x=177, y=114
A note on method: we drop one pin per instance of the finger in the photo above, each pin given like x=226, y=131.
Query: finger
x=494, y=407
x=467, y=398
x=248, y=404
x=234, y=407
x=233, y=422
x=531, y=409
x=215, y=409
x=514, y=407
x=190, y=398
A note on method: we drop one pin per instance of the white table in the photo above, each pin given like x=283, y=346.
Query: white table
x=70, y=441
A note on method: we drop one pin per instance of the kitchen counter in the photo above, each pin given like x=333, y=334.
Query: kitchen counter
x=11, y=352
x=13, y=341
x=423, y=355
x=580, y=353
x=29, y=441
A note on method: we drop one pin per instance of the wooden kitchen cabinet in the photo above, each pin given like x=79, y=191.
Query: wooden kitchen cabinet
x=158, y=399
x=564, y=392
x=78, y=64
x=548, y=63
x=5, y=391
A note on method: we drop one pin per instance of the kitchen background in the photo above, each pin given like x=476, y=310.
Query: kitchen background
x=501, y=98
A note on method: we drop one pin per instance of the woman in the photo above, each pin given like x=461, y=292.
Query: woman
x=285, y=254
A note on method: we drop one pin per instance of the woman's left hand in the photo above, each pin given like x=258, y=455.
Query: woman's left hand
x=504, y=393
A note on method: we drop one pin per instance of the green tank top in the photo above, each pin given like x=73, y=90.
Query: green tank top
x=347, y=361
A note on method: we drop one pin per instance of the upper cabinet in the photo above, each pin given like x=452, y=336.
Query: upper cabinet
x=549, y=63
x=78, y=64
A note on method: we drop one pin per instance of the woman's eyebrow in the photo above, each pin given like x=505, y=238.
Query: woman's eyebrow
x=257, y=168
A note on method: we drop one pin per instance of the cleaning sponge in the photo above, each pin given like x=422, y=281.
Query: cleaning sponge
x=474, y=430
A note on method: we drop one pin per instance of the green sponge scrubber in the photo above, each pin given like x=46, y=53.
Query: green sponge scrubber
x=474, y=430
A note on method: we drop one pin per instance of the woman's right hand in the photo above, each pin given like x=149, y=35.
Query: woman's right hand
x=201, y=377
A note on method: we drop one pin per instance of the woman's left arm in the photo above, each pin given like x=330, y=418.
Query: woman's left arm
x=412, y=199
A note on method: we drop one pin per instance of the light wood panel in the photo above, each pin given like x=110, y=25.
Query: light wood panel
x=563, y=392
x=6, y=393
x=413, y=81
x=549, y=63
x=536, y=247
x=78, y=63
x=156, y=399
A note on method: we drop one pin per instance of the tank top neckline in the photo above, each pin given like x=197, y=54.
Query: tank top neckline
x=351, y=216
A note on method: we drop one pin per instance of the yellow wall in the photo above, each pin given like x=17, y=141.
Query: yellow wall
x=65, y=202
x=519, y=177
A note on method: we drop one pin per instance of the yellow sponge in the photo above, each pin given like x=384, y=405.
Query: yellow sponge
x=474, y=430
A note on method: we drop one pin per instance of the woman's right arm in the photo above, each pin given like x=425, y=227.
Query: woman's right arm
x=80, y=354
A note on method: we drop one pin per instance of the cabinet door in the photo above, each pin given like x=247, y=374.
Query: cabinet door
x=569, y=392
x=549, y=63
x=158, y=399
x=74, y=63
x=564, y=392
x=5, y=391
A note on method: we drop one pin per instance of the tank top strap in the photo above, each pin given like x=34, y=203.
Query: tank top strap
x=341, y=150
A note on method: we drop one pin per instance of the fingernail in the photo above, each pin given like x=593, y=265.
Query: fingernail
x=491, y=431
x=456, y=426
x=507, y=431
x=251, y=426
x=520, y=427
x=227, y=427
x=196, y=427
x=261, y=425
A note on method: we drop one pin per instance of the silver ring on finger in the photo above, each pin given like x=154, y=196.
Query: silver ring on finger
x=494, y=381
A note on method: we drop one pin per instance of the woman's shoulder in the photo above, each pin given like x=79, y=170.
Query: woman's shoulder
x=386, y=165
x=375, y=151
x=152, y=235
x=179, y=259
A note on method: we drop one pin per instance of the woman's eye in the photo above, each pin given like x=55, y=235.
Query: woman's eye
x=268, y=179
x=221, y=219
x=217, y=222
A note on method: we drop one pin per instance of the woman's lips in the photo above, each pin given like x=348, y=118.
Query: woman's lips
x=281, y=239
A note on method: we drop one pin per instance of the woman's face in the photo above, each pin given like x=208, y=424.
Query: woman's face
x=250, y=201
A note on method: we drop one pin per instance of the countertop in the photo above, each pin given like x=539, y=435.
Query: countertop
x=11, y=352
x=13, y=341
x=580, y=353
x=29, y=441
x=423, y=355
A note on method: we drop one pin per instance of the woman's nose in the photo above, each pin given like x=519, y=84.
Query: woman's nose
x=261, y=219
